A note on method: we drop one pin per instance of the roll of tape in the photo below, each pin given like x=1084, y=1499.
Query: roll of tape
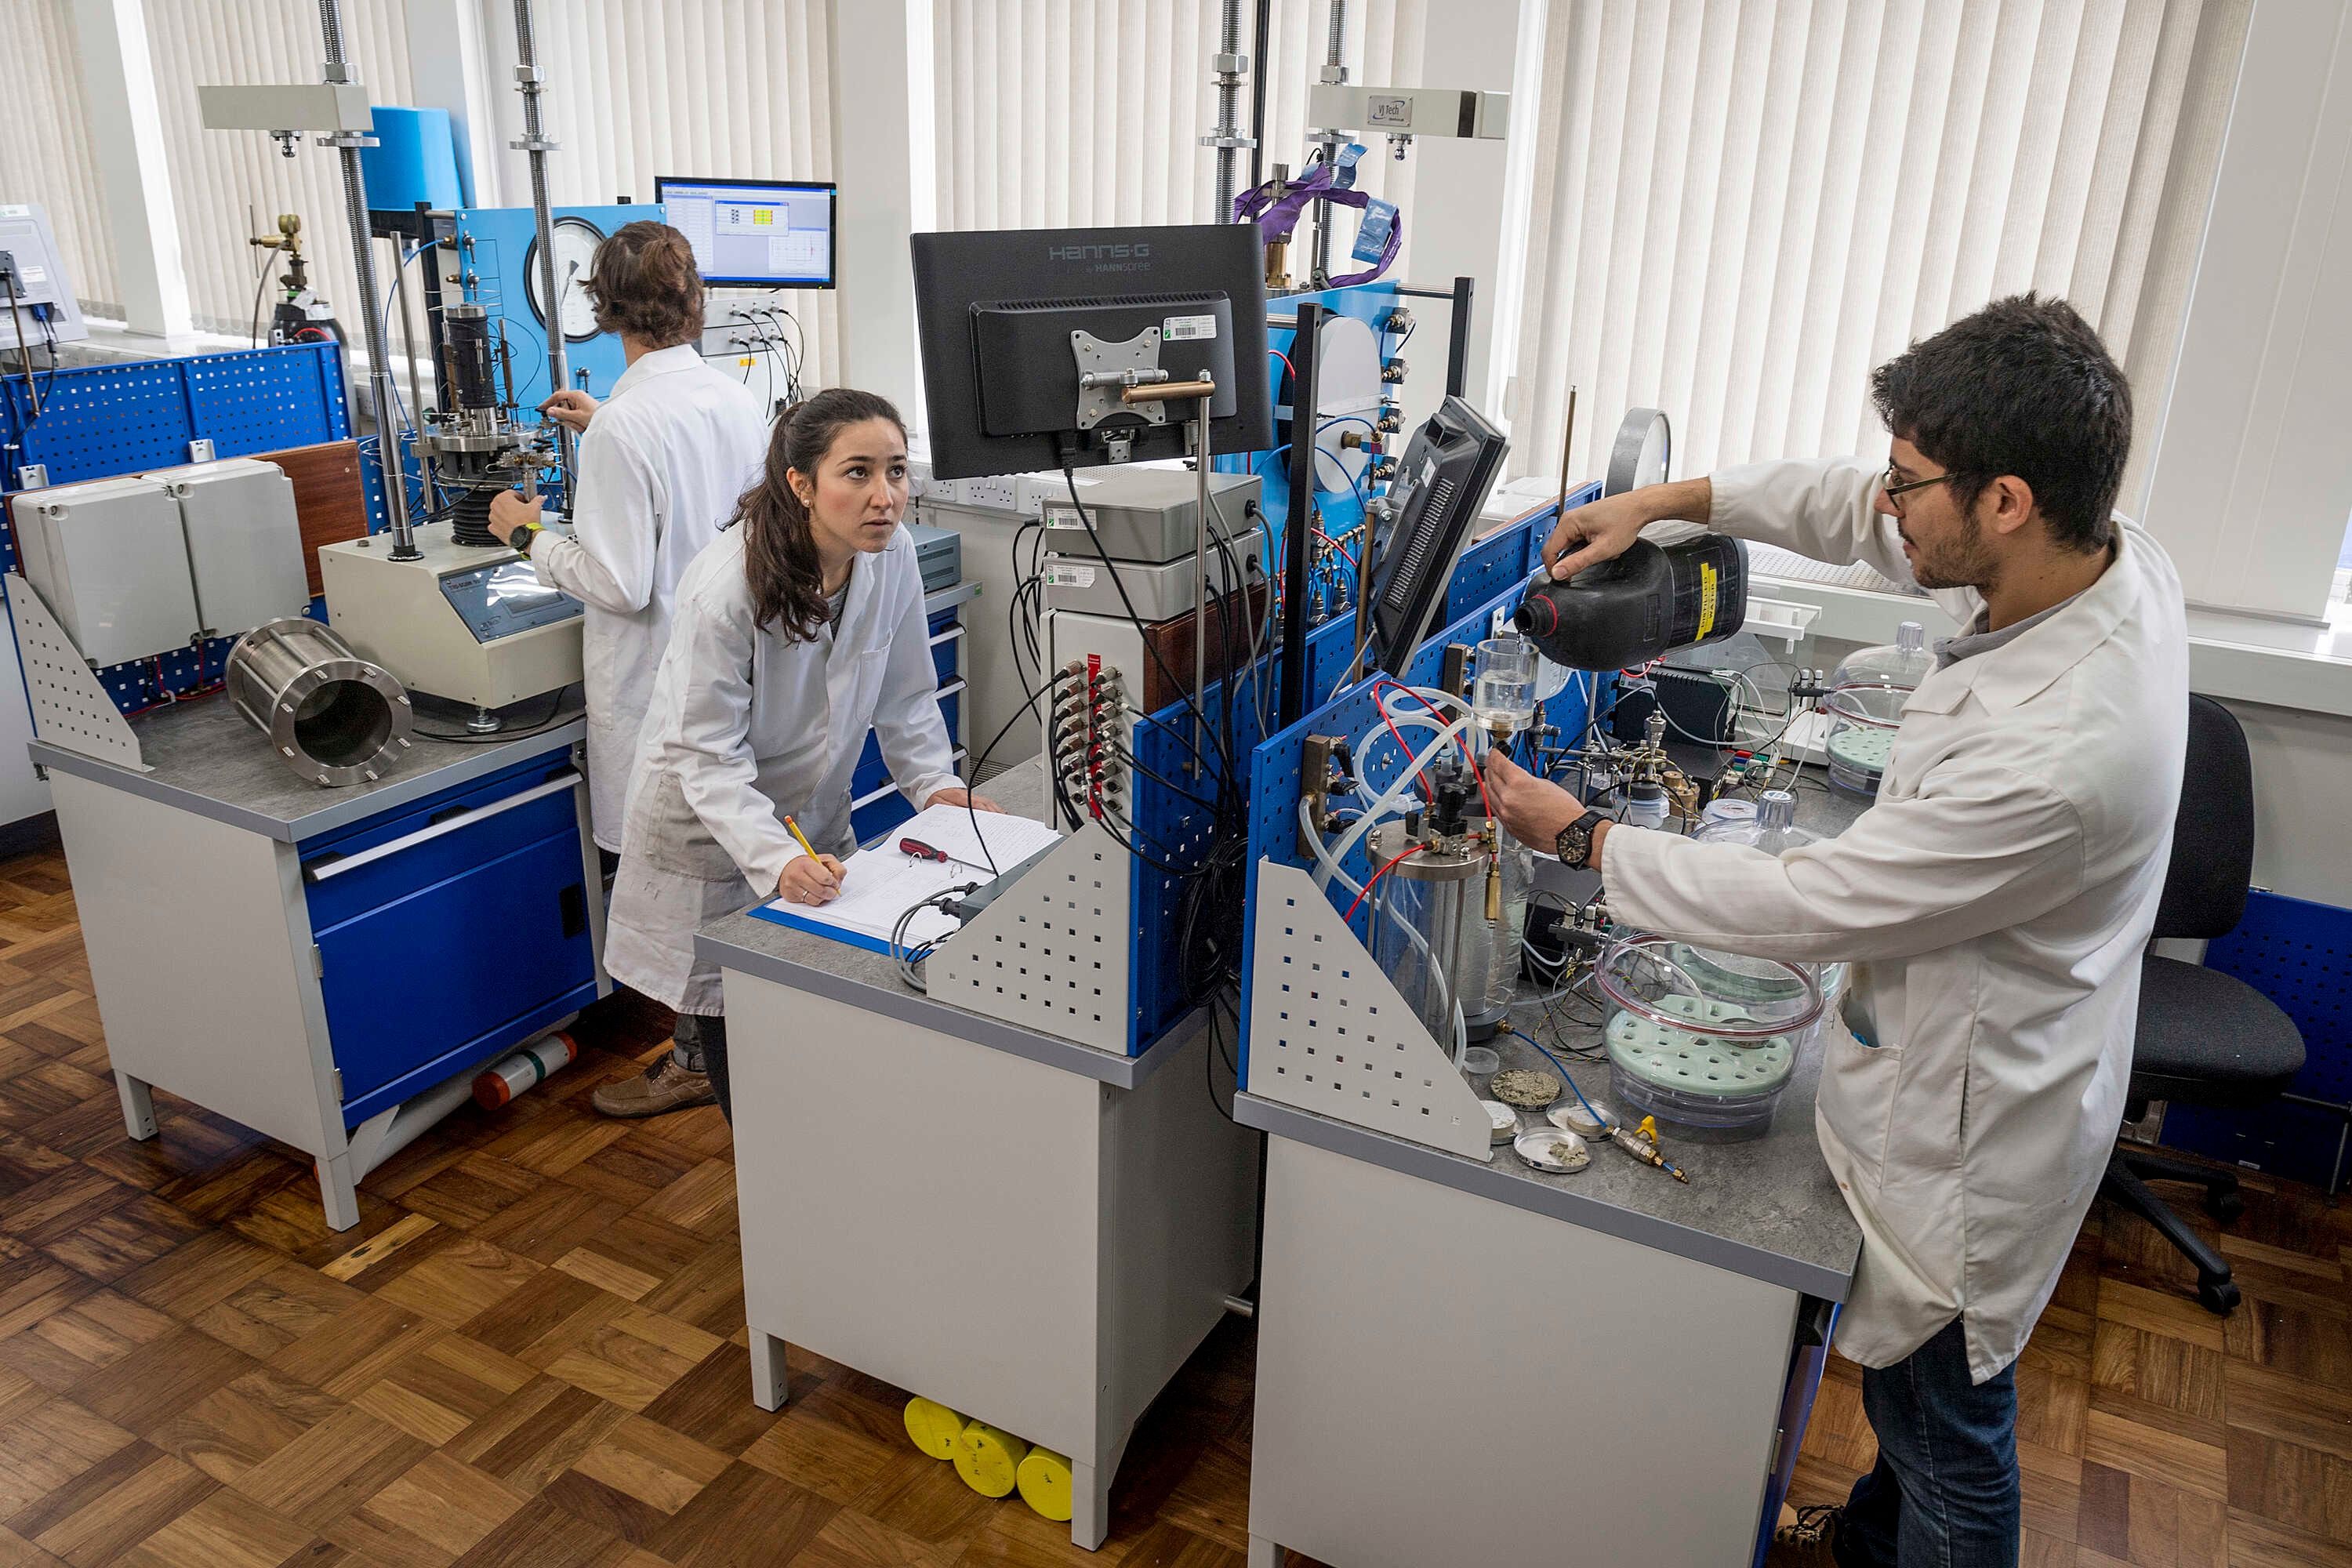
x=1643, y=452
x=1044, y=1481
x=933, y=1428
x=988, y=1459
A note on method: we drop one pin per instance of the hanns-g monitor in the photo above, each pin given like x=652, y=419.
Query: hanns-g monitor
x=1012, y=320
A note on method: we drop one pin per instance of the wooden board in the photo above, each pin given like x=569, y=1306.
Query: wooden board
x=1173, y=638
x=329, y=499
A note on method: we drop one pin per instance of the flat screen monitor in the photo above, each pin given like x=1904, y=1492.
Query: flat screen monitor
x=1441, y=483
x=1008, y=318
x=754, y=234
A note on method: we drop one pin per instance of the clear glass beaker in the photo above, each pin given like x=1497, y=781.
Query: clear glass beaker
x=1503, y=692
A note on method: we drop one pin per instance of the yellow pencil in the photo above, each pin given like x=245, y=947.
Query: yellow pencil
x=794, y=828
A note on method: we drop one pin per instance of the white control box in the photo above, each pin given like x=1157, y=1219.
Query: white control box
x=243, y=542
x=109, y=560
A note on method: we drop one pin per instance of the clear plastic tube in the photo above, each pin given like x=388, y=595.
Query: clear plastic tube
x=1383, y=804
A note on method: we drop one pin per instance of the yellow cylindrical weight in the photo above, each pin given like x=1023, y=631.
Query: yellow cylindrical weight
x=934, y=1427
x=1045, y=1478
x=989, y=1460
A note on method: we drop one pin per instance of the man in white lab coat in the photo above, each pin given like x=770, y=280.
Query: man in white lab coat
x=663, y=461
x=1996, y=897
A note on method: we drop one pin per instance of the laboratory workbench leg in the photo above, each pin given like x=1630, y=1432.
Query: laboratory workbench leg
x=770, y=1385
x=1089, y=1504
x=138, y=1105
x=339, y=1191
x=1263, y=1553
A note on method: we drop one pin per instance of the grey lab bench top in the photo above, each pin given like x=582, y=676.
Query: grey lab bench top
x=203, y=757
x=1766, y=1207
x=807, y=962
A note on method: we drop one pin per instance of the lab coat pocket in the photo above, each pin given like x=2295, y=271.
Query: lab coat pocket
x=1857, y=1099
x=666, y=830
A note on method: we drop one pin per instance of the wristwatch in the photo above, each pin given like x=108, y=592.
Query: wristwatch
x=1574, y=844
x=519, y=540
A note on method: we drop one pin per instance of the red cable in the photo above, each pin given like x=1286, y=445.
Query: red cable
x=1342, y=550
x=1475, y=773
x=1398, y=734
x=1286, y=363
x=1376, y=877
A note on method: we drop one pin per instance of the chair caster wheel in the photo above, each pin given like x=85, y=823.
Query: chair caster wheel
x=2219, y=1297
x=2225, y=1207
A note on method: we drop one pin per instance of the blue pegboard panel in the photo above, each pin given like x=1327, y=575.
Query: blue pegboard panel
x=2299, y=954
x=1173, y=823
x=100, y=420
x=1507, y=557
x=1273, y=767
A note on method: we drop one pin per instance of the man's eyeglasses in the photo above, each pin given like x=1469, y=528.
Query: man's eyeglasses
x=1895, y=487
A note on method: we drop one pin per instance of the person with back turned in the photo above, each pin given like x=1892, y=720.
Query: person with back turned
x=661, y=463
x=1995, y=899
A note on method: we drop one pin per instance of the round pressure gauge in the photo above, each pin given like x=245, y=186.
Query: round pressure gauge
x=575, y=240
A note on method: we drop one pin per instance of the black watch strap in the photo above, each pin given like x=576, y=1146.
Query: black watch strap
x=1574, y=844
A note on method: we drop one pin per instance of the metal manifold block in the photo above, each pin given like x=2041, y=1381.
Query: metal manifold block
x=330, y=715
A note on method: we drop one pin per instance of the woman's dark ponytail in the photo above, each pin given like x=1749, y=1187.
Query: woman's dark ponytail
x=780, y=558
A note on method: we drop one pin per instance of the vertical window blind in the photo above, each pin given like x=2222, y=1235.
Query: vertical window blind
x=229, y=185
x=1054, y=113
x=1740, y=208
x=45, y=147
x=722, y=88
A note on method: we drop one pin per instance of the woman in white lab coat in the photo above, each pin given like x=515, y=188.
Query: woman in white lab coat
x=799, y=628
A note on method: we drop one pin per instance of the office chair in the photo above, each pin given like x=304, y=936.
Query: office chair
x=2205, y=1038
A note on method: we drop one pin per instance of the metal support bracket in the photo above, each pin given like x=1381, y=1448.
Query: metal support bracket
x=1051, y=953
x=1330, y=1034
x=1107, y=369
x=70, y=708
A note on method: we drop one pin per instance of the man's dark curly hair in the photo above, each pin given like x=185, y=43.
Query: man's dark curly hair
x=2022, y=387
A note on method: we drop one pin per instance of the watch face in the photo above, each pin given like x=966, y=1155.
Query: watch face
x=575, y=242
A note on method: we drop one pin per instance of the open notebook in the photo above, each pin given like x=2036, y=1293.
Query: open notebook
x=880, y=884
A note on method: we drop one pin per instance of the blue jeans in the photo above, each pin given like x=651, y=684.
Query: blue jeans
x=1944, y=1491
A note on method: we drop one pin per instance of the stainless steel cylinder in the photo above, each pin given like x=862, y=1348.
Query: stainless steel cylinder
x=1430, y=932
x=331, y=716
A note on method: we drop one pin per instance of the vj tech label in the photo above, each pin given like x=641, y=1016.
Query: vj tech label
x=1187, y=329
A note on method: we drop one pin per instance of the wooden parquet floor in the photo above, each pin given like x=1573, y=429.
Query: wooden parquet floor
x=530, y=1354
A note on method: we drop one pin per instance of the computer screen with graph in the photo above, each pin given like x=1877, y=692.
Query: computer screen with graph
x=754, y=234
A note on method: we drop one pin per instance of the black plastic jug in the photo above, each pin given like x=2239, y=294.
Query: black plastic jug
x=1646, y=603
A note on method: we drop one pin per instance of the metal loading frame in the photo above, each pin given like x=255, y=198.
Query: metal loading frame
x=1174, y=830
x=1503, y=559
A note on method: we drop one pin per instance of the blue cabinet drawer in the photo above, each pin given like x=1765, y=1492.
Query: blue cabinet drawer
x=460, y=966
x=945, y=649
x=871, y=821
x=392, y=857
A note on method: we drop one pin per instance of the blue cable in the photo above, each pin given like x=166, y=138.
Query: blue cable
x=1566, y=1077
